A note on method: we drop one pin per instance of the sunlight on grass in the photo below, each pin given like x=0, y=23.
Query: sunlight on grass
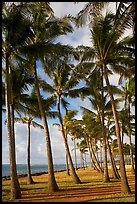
x=92, y=188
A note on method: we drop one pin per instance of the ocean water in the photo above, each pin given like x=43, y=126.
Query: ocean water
x=22, y=168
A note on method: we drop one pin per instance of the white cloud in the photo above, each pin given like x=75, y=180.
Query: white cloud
x=63, y=8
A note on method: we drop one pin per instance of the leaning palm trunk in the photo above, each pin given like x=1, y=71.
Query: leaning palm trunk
x=30, y=180
x=129, y=134
x=124, y=182
x=15, y=187
x=91, y=158
x=52, y=185
x=93, y=153
x=73, y=172
x=101, y=153
x=75, y=156
x=113, y=165
x=67, y=164
x=106, y=176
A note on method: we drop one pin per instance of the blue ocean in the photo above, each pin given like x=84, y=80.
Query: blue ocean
x=22, y=168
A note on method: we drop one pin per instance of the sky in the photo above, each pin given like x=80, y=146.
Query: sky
x=38, y=141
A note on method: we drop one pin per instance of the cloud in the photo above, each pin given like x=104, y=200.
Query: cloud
x=65, y=8
x=79, y=36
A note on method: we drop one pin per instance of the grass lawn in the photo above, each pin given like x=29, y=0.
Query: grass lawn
x=92, y=189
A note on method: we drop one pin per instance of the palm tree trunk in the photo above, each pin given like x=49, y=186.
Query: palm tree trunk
x=67, y=164
x=15, y=187
x=124, y=182
x=85, y=160
x=100, y=153
x=52, y=185
x=129, y=134
x=106, y=176
x=30, y=180
x=75, y=157
x=114, y=169
x=91, y=159
x=93, y=153
x=74, y=175
x=122, y=135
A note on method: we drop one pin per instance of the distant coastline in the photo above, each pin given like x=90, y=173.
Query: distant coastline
x=33, y=174
x=37, y=169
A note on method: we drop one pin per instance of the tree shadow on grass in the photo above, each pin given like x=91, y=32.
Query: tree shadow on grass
x=108, y=199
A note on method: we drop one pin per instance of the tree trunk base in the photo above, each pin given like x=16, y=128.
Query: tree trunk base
x=30, y=181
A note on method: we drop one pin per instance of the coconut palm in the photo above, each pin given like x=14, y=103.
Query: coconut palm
x=45, y=29
x=129, y=94
x=63, y=86
x=15, y=28
x=106, y=42
x=20, y=76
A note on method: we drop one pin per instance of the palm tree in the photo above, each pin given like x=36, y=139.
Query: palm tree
x=15, y=28
x=128, y=100
x=19, y=100
x=68, y=121
x=45, y=29
x=63, y=85
x=29, y=121
x=124, y=14
x=106, y=42
x=93, y=132
x=82, y=146
x=94, y=88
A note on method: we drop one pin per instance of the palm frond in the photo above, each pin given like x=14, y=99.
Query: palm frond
x=37, y=125
x=46, y=87
x=90, y=10
x=64, y=103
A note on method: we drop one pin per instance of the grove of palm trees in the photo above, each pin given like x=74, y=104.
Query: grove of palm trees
x=42, y=78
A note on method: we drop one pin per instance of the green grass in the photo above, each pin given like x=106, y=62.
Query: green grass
x=91, y=182
x=116, y=198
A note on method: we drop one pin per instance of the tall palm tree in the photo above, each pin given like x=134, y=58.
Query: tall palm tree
x=20, y=76
x=63, y=85
x=15, y=28
x=106, y=42
x=45, y=29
